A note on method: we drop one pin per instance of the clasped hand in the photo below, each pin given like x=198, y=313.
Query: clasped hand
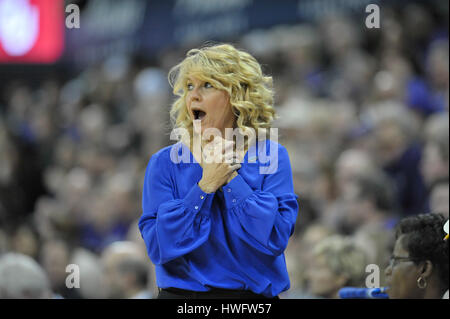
x=219, y=163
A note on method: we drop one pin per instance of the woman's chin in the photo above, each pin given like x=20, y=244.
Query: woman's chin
x=391, y=294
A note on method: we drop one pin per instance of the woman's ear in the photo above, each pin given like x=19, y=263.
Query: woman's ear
x=426, y=269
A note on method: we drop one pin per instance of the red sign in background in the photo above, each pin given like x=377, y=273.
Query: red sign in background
x=31, y=31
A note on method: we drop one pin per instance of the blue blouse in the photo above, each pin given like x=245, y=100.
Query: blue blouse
x=233, y=238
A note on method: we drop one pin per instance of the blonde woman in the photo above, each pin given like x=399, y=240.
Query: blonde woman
x=215, y=223
x=336, y=262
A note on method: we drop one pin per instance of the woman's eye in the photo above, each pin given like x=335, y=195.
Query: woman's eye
x=208, y=85
x=190, y=86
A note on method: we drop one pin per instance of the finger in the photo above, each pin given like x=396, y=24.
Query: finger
x=221, y=144
x=229, y=160
x=215, y=142
x=197, y=128
x=212, y=156
x=206, y=141
x=208, y=146
x=216, y=139
x=209, y=149
x=229, y=145
x=231, y=156
x=222, y=148
x=235, y=167
x=212, y=149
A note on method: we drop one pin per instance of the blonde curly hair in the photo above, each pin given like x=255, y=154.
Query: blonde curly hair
x=231, y=70
x=343, y=257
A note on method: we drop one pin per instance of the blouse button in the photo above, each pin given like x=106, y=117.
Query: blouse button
x=234, y=200
x=196, y=207
x=229, y=190
x=201, y=197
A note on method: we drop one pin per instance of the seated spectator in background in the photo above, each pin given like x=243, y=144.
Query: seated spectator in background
x=435, y=161
x=336, y=262
x=55, y=257
x=126, y=271
x=3, y=242
x=298, y=255
x=351, y=164
x=399, y=154
x=25, y=240
x=418, y=267
x=134, y=235
x=22, y=278
x=101, y=225
x=91, y=285
x=439, y=197
x=370, y=215
x=369, y=202
x=359, y=182
x=429, y=95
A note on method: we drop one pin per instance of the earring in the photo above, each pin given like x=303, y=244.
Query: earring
x=421, y=283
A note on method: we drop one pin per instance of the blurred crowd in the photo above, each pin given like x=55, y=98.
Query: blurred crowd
x=362, y=112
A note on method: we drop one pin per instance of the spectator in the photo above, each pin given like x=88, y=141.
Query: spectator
x=352, y=164
x=91, y=285
x=298, y=257
x=435, y=162
x=439, y=197
x=369, y=214
x=369, y=201
x=126, y=271
x=25, y=240
x=431, y=96
x=3, y=242
x=55, y=257
x=398, y=153
x=418, y=267
x=134, y=236
x=22, y=278
x=336, y=262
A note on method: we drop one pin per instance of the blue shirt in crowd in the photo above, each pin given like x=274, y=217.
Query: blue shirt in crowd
x=232, y=239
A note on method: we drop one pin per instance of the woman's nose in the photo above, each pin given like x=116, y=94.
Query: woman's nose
x=195, y=95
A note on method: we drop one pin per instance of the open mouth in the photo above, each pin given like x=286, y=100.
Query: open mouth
x=198, y=114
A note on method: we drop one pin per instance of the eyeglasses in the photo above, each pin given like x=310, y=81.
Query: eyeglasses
x=394, y=260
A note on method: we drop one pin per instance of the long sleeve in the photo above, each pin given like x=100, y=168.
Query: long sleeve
x=264, y=218
x=171, y=227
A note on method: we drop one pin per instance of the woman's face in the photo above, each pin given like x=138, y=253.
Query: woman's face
x=209, y=106
x=432, y=165
x=401, y=274
x=322, y=280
